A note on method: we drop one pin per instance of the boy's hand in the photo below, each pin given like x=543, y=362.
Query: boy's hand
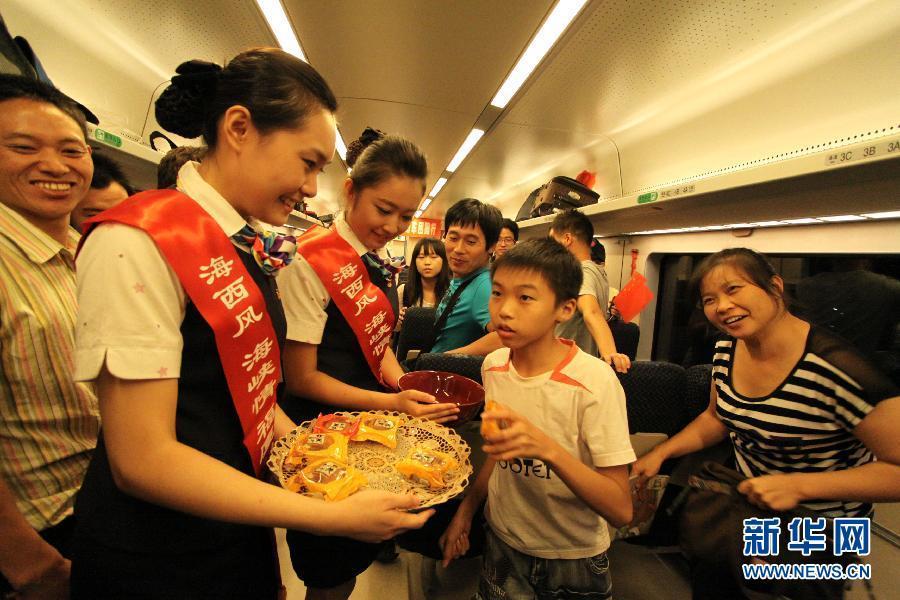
x=618, y=361
x=647, y=466
x=518, y=439
x=455, y=540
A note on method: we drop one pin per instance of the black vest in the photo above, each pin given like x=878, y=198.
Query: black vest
x=206, y=420
x=340, y=356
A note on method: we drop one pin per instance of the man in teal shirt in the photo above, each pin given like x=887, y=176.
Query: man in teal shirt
x=471, y=231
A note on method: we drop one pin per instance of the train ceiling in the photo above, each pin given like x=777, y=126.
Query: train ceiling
x=642, y=92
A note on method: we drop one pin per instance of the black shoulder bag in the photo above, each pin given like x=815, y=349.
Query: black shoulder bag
x=442, y=319
x=711, y=530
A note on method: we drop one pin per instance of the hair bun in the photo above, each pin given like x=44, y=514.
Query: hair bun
x=182, y=106
x=366, y=139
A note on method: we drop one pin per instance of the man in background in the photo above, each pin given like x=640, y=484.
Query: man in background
x=109, y=186
x=509, y=236
x=588, y=327
x=471, y=230
x=171, y=163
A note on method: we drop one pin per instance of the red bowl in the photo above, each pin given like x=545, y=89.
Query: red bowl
x=468, y=395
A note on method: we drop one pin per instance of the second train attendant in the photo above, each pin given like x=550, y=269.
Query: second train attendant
x=340, y=303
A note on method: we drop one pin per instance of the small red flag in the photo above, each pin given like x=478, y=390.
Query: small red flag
x=633, y=297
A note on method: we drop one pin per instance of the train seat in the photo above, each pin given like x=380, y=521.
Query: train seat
x=626, y=336
x=416, y=332
x=654, y=397
x=461, y=364
x=699, y=378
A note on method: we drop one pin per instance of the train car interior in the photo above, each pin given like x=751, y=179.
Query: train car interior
x=773, y=125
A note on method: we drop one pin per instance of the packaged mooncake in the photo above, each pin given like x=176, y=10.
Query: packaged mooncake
x=427, y=465
x=491, y=426
x=378, y=428
x=332, y=479
x=334, y=423
x=318, y=445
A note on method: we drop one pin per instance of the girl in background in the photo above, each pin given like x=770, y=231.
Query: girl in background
x=429, y=275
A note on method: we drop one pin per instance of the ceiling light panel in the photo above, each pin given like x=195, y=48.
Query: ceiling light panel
x=842, y=218
x=438, y=186
x=891, y=214
x=464, y=150
x=340, y=146
x=563, y=14
x=281, y=27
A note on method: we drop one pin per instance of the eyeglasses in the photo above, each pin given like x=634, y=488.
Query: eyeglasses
x=506, y=240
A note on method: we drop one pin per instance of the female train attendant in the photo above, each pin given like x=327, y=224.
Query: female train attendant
x=806, y=413
x=340, y=303
x=180, y=324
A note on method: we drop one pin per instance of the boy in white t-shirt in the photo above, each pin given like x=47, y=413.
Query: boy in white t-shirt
x=558, y=453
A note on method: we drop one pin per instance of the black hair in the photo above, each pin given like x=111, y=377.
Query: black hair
x=13, y=87
x=376, y=156
x=548, y=259
x=513, y=228
x=412, y=291
x=575, y=223
x=171, y=163
x=598, y=251
x=108, y=171
x=278, y=89
x=754, y=265
x=469, y=212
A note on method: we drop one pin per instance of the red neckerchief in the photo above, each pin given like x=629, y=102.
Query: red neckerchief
x=217, y=282
x=365, y=307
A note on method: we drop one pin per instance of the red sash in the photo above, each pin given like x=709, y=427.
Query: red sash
x=217, y=282
x=342, y=272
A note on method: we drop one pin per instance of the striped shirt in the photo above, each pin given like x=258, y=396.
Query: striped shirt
x=48, y=422
x=806, y=424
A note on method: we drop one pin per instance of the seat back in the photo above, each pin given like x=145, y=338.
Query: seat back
x=417, y=331
x=626, y=336
x=461, y=364
x=654, y=397
x=696, y=400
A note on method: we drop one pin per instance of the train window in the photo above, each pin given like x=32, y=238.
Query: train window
x=858, y=296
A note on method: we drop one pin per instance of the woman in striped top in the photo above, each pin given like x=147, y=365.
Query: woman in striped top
x=806, y=412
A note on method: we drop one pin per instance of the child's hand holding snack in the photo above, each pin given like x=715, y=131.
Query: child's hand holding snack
x=509, y=435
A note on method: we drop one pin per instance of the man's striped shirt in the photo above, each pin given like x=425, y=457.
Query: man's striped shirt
x=48, y=422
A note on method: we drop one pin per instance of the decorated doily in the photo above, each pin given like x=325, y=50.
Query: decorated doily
x=378, y=462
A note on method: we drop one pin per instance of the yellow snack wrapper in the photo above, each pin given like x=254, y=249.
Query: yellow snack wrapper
x=333, y=480
x=318, y=445
x=427, y=465
x=334, y=423
x=490, y=426
x=378, y=428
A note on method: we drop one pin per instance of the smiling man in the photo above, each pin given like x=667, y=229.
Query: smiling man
x=472, y=228
x=48, y=422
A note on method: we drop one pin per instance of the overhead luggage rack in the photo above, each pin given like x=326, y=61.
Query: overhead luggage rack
x=743, y=189
x=137, y=160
